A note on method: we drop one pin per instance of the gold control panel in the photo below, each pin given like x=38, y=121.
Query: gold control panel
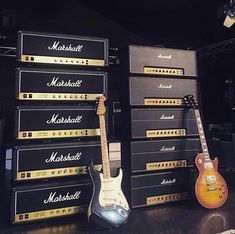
x=24, y=217
x=62, y=60
x=155, y=200
x=164, y=71
x=59, y=96
x=166, y=165
x=55, y=172
x=163, y=102
x=58, y=133
x=166, y=133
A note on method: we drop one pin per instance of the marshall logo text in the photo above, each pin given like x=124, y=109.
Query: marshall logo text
x=61, y=83
x=55, y=119
x=164, y=148
x=57, y=46
x=53, y=197
x=167, y=117
x=63, y=158
x=165, y=181
x=164, y=56
x=162, y=86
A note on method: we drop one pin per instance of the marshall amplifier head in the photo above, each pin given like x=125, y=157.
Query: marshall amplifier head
x=148, y=91
x=162, y=61
x=163, y=122
x=49, y=200
x=46, y=161
x=157, y=188
x=59, y=85
x=47, y=48
x=47, y=122
x=143, y=156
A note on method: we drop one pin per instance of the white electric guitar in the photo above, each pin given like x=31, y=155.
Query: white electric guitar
x=108, y=207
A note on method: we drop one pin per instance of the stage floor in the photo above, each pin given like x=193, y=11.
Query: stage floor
x=185, y=217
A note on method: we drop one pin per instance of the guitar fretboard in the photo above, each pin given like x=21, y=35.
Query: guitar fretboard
x=104, y=148
x=202, y=136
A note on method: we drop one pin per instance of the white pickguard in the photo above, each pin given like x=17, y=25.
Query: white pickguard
x=111, y=193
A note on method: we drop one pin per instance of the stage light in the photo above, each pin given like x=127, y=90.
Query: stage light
x=229, y=10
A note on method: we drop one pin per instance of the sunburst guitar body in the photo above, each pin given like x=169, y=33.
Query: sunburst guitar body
x=211, y=189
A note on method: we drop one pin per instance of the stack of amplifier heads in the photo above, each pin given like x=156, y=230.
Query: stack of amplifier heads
x=54, y=129
x=160, y=135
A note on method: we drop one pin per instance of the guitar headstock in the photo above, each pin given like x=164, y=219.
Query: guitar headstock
x=101, y=106
x=191, y=102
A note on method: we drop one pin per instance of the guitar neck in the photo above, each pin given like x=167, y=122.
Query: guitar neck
x=202, y=136
x=104, y=148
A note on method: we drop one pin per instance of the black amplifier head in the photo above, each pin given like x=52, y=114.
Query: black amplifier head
x=162, y=61
x=156, y=155
x=149, y=91
x=158, y=188
x=48, y=48
x=163, y=122
x=49, y=122
x=45, y=161
x=60, y=85
x=49, y=200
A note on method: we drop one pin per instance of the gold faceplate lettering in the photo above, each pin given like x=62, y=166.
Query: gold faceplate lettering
x=58, y=133
x=155, y=200
x=166, y=133
x=25, y=217
x=62, y=60
x=59, y=96
x=163, y=102
x=164, y=71
x=166, y=165
x=56, y=172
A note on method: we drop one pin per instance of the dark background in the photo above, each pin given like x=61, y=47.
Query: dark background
x=174, y=23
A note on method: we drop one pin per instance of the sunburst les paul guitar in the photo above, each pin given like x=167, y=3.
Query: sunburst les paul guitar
x=108, y=207
x=211, y=189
